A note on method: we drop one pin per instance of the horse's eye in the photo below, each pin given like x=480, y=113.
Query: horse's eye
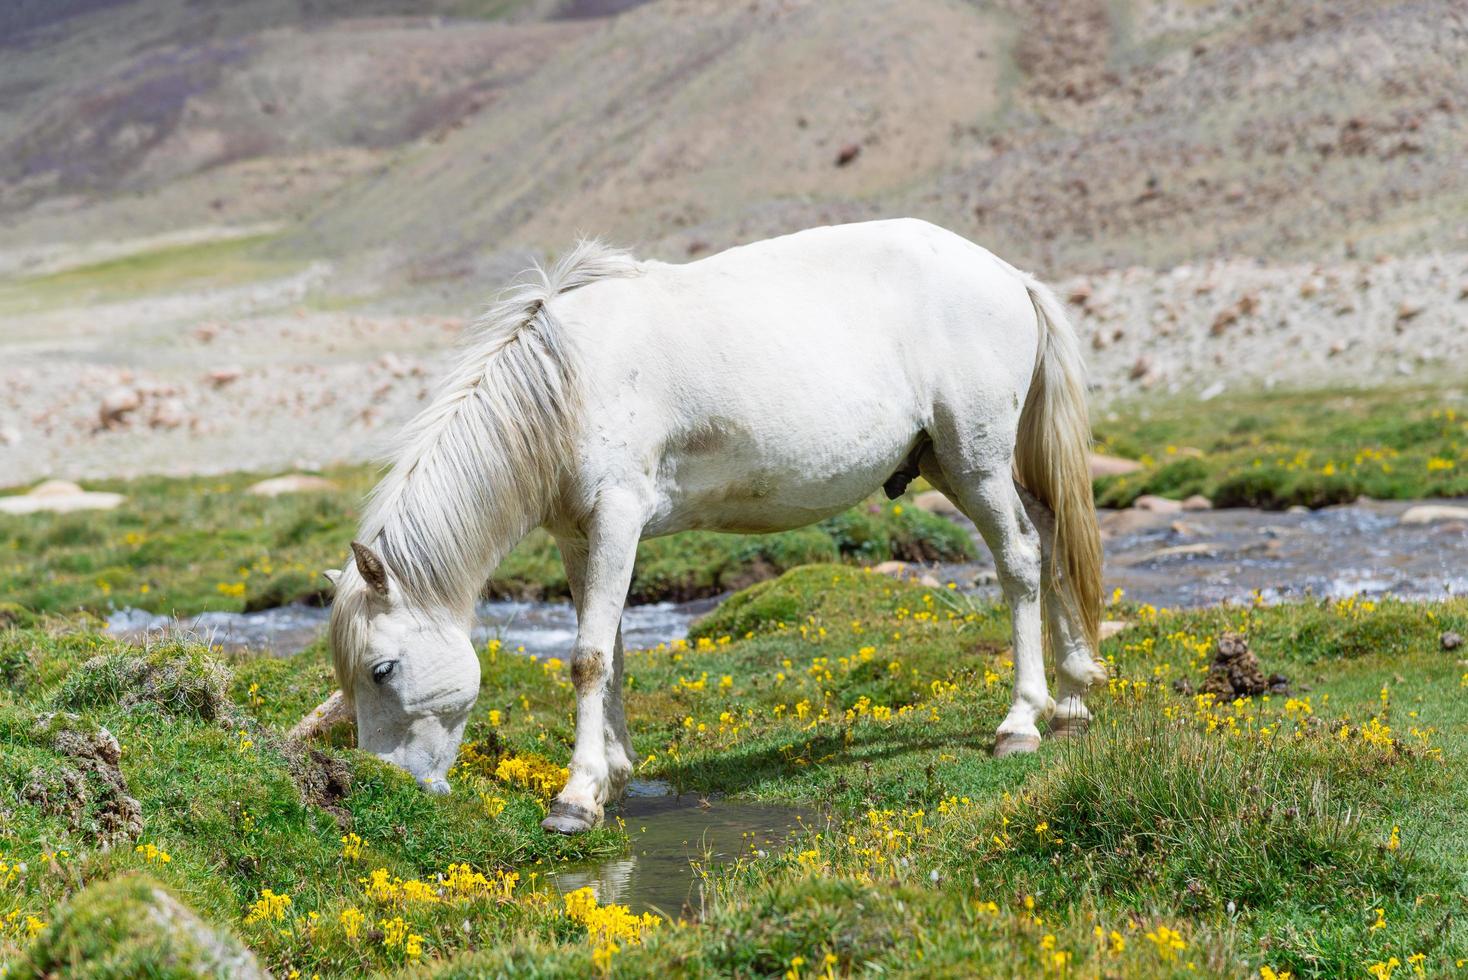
x=383, y=671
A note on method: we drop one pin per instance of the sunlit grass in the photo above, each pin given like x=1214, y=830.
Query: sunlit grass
x=1184, y=835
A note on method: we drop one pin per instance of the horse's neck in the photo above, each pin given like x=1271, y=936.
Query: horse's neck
x=450, y=566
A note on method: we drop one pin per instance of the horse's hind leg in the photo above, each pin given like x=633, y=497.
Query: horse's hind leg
x=991, y=500
x=1076, y=668
x=599, y=767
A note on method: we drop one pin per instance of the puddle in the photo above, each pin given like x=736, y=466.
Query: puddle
x=541, y=628
x=666, y=834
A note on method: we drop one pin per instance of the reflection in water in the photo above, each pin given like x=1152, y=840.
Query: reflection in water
x=668, y=834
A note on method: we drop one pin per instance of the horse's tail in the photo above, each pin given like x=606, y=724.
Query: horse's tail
x=1051, y=459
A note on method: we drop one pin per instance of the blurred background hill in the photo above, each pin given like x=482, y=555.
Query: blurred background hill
x=245, y=234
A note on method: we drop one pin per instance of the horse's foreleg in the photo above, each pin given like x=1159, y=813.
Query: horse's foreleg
x=599, y=764
x=621, y=757
x=992, y=502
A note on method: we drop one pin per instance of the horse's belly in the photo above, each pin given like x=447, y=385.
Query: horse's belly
x=754, y=493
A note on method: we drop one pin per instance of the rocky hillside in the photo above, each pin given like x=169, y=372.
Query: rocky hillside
x=314, y=194
x=1068, y=133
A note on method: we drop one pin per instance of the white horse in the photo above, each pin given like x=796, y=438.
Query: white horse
x=760, y=389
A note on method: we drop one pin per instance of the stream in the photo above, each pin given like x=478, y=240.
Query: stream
x=1181, y=559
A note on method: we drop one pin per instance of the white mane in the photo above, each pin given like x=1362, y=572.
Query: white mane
x=475, y=470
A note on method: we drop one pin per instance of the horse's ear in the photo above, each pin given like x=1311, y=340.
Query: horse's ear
x=333, y=575
x=374, y=572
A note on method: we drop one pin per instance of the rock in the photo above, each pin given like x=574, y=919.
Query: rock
x=9, y=435
x=220, y=377
x=1141, y=368
x=847, y=154
x=56, y=488
x=896, y=569
x=1197, y=502
x=1450, y=640
x=1111, y=627
x=1432, y=513
x=1297, y=509
x=117, y=405
x=1118, y=523
x=1236, y=673
x=292, y=483
x=1157, y=505
x=393, y=365
x=1112, y=466
x=934, y=502
x=167, y=413
x=131, y=925
x=930, y=581
x=59, y=497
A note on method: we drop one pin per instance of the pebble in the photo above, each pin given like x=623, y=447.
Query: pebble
x=1432, y=513
x=1157, y=505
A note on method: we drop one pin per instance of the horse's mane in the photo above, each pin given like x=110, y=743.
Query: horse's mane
x=474, y=471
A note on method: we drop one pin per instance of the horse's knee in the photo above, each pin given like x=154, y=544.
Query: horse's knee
x=588, y=669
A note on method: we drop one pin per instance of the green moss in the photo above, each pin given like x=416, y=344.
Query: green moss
x=131, y=926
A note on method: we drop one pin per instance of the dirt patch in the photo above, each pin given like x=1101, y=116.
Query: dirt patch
x=1237, y=673
x=89, y=790
x=323, y=781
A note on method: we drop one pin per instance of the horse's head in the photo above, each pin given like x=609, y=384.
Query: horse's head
x=408, y=669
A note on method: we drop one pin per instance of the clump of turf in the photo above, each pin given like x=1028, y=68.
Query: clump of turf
x=131, y=926
x=178, y=678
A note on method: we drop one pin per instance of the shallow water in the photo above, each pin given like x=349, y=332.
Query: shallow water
x=667, y=834
x=1208, y=557
x=1174, y=560
x=535, y=628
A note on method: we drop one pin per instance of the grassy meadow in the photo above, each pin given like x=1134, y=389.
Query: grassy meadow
x=1323, y=833
x=204, y=543
x=1280, y=449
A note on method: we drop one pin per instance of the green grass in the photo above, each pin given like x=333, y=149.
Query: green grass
x=1278, y=449
x=195, y=544
x=1210, y=839
x=194, y=266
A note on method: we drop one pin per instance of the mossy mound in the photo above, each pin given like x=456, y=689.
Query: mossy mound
x=180, y=679
x=131, y=926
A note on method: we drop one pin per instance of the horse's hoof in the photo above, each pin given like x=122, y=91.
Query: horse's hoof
x=1069, y=727
x=1013, y=743
x=569, y=818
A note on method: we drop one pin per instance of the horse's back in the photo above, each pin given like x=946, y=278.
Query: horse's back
x=777, y=382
